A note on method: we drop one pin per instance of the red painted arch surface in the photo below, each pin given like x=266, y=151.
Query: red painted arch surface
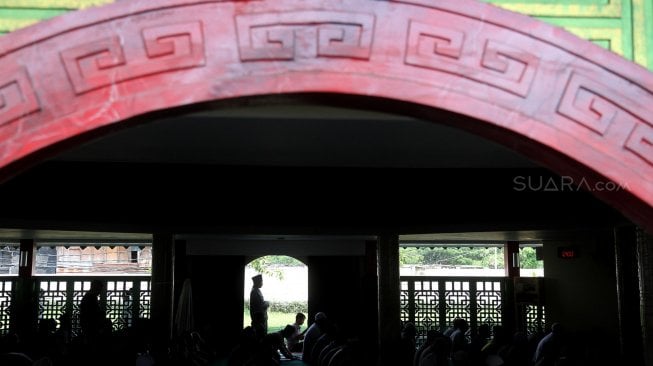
x=562, y=101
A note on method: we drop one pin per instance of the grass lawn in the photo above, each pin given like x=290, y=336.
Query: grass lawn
x=276, y=320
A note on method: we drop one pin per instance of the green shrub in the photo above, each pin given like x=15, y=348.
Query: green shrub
x=285, y=307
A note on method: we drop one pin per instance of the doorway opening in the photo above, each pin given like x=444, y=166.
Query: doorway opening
x=285, y=287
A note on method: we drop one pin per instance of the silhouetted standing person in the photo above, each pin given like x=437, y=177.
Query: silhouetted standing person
x=257, y=304
x=91, y=316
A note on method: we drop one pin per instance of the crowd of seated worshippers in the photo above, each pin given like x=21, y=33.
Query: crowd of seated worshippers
x=457, y=347
x=322, y=344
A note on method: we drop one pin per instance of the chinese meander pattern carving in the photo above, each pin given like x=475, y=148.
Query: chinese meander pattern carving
x=561, y=98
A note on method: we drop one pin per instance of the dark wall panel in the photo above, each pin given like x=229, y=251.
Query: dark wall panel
x=336, y=288
x=186, y=198
x=218, y=297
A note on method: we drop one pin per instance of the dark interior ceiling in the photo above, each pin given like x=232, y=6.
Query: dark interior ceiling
x=291, y=169
x=300, y=136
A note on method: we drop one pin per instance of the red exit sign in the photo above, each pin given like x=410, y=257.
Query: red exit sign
x=567, y=252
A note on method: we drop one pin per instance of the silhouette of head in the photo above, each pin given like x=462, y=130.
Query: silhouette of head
x=258, y=281
x=409, y=331
x=96, y=287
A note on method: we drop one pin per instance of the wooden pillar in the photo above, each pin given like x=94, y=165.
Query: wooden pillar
x=388, y=290
x=628, y=296
x=163, y=257
x=218, y=298
x=24, y=304
x=179, y=275
x=645, y=273
x=370, y=319
x=180, y=270
x=511, y=312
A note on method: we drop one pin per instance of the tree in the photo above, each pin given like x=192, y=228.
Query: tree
x=410, y=255
x=528, y=258
x=464, y=256
x=267, y=265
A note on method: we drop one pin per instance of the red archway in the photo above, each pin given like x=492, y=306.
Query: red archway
x=564, y=102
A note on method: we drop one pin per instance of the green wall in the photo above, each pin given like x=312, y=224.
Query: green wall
x=16, y=14
x=622, y=26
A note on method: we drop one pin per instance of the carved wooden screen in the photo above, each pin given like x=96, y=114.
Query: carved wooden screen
x=7, y=288
x=434, y=302
x=123, y=298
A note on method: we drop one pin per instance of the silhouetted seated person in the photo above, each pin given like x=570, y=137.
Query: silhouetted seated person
x=285, y=333
x=313, y=333
x=250, y=349
x=407, y=344
x=140, y=337
x=64, y=337
x=459, y=344
x=294, y=341
x=431, y=336
x=138, y=345
x=328, y=352
x=45, y=344
x=328, y=336
x=144, y=359
x=458, y=338
x=349, y=354
x=246, y=347
x=478, y=342
x=15, y=359
x=549, y=349
x=267, y=352
x=12, y=351
x=516, y=353
x=498, y=340
x=192, y=349
x=448, y=331
x=337, y=341
x=437, y=354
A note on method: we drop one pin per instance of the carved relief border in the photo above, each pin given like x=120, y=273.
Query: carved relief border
x=304, y=34
x=446, y=49
x=623, y=126
x=17, y=95
x=104, y=62
x=600, y=108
